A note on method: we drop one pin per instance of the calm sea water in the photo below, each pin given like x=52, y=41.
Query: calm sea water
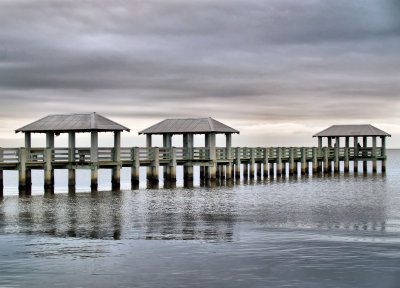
x=335, y=231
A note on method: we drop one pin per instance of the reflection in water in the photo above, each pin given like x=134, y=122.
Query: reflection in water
x=208, y=213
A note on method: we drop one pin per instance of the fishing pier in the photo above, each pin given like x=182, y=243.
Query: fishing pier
x=215, y=162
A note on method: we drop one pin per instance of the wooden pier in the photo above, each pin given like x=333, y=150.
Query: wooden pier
x=220, y=163
x=215, y=162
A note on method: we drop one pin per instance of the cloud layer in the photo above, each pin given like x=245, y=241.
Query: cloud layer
x=248, y=62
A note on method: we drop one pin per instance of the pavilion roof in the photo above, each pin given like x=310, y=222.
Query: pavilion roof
x=351, y=130
x=189, y=125
x=84, y=122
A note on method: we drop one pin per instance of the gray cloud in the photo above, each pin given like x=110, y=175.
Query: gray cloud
x=277, y=60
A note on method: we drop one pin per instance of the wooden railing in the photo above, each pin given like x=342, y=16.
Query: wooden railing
x=107, y=154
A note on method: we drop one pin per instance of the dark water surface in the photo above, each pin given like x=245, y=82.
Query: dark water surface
x=336, y=231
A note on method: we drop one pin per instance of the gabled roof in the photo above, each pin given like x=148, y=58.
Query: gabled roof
x=351, y=130
x=191, y=125
x=85, y=122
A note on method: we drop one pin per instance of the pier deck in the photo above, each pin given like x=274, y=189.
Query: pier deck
x=215, y=162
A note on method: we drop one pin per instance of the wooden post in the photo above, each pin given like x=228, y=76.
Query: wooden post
x=252, y=163
x=188, y=146
x=319, y=142
x=271, y=167
x=172, y=165
x=49, y=171
x=237, y=163
x=314, y=160
x=326, y=160
x=265, y=163
x=303, y=161
x=245, y=170
x=116, y=170
x=94, y=144
x=291, y=161
x=48, y=177
x=148, y=145
x=154, y=176
x=319, y=153
x=28, y=146
x=346, y=159
x=229, y=155
x=346, y=155
x=365, y=163
x=213, y=156
x=22, y=169
x=167, y=143
x=383, y=153
x=336, y=159
x=135, y=166
x=279, y=163
x=71, y=159
x=374, y=170
x=356, y=152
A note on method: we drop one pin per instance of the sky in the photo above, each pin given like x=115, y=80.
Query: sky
x=277, y=70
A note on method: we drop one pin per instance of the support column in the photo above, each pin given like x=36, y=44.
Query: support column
x=28, y=146
x=188, y=146
x=116, y=170
x=314, y=161
x=237, y=163
x=223, y=172
x=172, y=165
x=271, y=166
x=374, y=170
x=291, y=161
x=154, y=175
x=49, y=171
x=229, y=155
x=346, y=155
x=252, y=162
x=211, y=141
x=356, y=152
x=148, y=146
x=265, y=163
x=365, y=163
x=279, y=162
x=336, y=155
x=135, y=167
x=303, y=161
x=326, y=160
x=71, y=159
x=94, y=145
x=245, y=170
x=383, y=153
x=22, y=170
x=319, y=142
x=319, y=154
x=167, y=143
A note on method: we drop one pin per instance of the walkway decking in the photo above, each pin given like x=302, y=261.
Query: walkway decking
x=215, y=162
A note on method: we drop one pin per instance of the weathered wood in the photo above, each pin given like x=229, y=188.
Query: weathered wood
x=383, y=153
x=135, y=166
x=94, y=141
x=336, y=159
x=237, y=163
x=326, y=160
x=356, y=154
x=346, y=160
x=265, y=163
x=116, y=170
x=365, y=163
x=48, y=169
x=374, y=169
x=279, y=162
x=252, y=162
x=303, y=161
x=314, y=160
x=71, y=159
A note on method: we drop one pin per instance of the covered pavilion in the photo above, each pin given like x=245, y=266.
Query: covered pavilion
x=92, y=123
x=188, y=127
x=355, y=131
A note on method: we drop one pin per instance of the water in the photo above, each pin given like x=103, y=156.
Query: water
x=336, y=231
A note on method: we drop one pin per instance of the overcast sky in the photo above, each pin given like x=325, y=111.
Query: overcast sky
x=277, y=70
